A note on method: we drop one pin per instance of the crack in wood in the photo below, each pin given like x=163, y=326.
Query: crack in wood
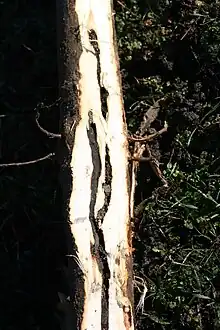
x=103, y=92
x=106, y=187
x=98, y=249
x=92, y=136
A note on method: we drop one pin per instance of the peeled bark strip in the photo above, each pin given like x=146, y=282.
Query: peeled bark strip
x=99, y=200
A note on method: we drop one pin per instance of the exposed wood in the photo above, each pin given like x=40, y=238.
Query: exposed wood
x=94, y=130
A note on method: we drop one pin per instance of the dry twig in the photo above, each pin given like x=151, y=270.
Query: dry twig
x=52, y=135
x=28, y=162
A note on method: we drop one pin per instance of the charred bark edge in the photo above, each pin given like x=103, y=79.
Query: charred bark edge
x=68, y=52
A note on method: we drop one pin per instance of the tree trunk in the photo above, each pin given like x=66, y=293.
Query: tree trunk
x=94, y=175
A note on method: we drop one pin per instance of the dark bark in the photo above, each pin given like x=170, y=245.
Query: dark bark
x=68, y=58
